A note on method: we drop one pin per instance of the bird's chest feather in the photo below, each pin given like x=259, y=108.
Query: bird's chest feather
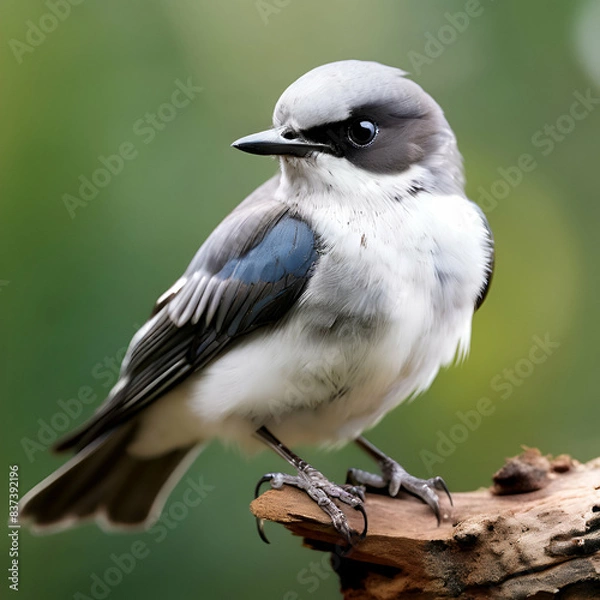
x=389, y=265
x=394, y=293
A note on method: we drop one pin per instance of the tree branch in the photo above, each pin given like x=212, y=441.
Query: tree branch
x=534, y=534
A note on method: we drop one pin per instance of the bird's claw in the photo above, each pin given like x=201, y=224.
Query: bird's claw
x=323, y=492
x=260, y=523
x=395, y=478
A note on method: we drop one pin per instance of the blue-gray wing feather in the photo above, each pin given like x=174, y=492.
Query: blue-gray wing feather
x=248, y=274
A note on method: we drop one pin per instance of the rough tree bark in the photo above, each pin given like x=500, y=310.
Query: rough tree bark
x=534, y=535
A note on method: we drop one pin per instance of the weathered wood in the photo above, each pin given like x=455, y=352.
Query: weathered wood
x=493, y=544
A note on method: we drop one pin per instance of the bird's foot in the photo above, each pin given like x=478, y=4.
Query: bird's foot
x=323, y=492
x=395, y=478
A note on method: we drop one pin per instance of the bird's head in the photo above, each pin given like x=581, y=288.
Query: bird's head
x=353, y=121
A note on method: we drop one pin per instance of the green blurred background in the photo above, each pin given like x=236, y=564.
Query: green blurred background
x=72, y=290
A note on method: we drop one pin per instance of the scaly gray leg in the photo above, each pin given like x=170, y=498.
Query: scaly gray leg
x=394, y=477
x=316, y=486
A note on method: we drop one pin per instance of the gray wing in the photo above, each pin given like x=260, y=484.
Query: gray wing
x=248, y=274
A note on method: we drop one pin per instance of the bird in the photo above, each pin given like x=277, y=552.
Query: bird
x=334, y=292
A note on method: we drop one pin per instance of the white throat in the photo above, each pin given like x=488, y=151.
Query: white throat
x=324, y=181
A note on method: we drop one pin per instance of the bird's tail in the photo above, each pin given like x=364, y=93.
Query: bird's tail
x=105, y=482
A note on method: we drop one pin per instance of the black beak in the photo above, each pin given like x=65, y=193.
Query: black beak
x=281, y=141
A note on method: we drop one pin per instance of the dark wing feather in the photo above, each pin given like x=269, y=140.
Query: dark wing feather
x=248, y=274
x=490, y=263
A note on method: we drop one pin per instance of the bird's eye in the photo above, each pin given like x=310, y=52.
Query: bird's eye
x=362, y=132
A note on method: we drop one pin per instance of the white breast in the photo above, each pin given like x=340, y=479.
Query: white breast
x=410, y=270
